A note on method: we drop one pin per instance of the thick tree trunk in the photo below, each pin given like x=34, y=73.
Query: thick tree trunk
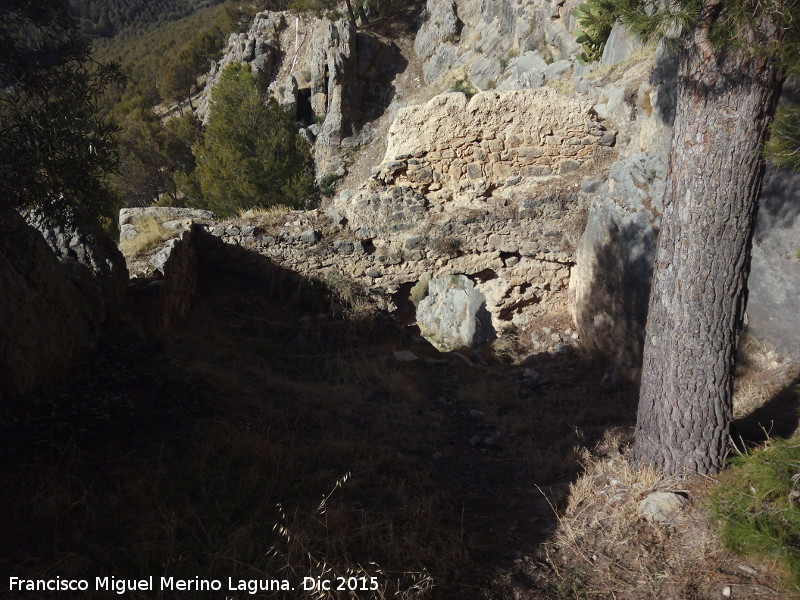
x=725, y=104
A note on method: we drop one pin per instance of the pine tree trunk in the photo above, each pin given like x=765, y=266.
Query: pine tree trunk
x=725, y=104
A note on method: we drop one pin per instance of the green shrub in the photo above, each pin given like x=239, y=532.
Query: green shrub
x=327, y=184
x=465, y=87
x=595, y=20
x=251, y=153
x=757, y=505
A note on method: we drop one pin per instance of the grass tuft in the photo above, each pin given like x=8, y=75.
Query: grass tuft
x=419, y=291
x=149, y=235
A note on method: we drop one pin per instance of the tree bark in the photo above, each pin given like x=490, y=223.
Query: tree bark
x=725, y=104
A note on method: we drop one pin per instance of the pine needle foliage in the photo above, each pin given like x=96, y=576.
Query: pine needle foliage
x=728, y=21
x=783, y=147
x=757, y=505
x=251, y=154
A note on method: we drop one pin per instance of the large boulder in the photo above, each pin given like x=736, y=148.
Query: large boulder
x=612, y=278
x=453, y=315
x=46, y=322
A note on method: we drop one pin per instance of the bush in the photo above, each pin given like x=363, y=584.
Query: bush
x=595, y=20
x=251, y=153
x=55, y=149
x=327, y=185
x=465, y=87
x=757, y=505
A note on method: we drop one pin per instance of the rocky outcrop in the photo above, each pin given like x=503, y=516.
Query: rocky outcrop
x=611, y=283
x=48, y=319
x=452, y=148
x=335, y=89
x=615, y=260
x=441, y=26
x=453, y=315
x=773, y=305
x=316, y=69
x=483, y=41
x=260, y=47
x=82, y=241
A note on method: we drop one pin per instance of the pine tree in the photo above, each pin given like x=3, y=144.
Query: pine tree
x=251, y=154
x=733, y=58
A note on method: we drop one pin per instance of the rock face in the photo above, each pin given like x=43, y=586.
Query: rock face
x=453, y=315
x=259, y=46
x=441, y=26
x=335, y=90
x=478, y=40
x=85, y=243
x=457, y=148
x=47, y=321
x=773, y=307
x=615, y=260
x=620, y=46
x=611, y=282
x=319, y=71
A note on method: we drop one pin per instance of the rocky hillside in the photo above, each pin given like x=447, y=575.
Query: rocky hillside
x=445, y=351
x=485, y=149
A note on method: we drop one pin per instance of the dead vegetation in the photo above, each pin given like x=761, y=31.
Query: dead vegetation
x=283, y=439
x=150, y=234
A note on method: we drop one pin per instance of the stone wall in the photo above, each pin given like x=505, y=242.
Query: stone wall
x=454, y=145
x=519, y=255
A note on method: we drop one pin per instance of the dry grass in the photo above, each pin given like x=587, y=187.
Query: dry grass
x=602, y=535
x=760, y=375
x=150, y=234
x=564, y=85
x=642, y=59
x=353, y=300
x=271, y=216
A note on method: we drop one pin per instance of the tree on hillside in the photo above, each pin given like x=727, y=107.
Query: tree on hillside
x=733, y=58
x=251, y=154
x=54, y=147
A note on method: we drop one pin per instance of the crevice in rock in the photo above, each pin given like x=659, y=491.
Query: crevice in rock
x=484, y=276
